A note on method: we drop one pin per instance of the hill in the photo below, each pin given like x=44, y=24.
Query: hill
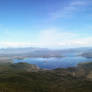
x=21, y=78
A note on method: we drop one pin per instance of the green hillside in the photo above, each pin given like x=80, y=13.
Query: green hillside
x=18, y=78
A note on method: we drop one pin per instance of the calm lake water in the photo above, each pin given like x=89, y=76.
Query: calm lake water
x=52, y=63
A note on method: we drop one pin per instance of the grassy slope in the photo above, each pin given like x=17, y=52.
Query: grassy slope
x=59, y=80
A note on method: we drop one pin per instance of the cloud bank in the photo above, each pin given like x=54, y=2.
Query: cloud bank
x=53, y=38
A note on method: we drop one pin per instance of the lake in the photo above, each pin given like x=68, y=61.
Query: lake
x=53, y=63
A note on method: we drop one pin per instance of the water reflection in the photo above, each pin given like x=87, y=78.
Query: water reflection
x=52, y=63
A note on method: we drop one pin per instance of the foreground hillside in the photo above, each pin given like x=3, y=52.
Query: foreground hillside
x=24, y=77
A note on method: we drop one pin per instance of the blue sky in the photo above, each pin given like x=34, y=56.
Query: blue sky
x=46, y=23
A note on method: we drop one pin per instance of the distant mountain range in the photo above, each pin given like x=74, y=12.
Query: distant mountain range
x=44, y=52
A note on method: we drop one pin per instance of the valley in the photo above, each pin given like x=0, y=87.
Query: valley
x=46, y=71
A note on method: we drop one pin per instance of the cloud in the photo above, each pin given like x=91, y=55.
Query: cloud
x=70, y=8
x=53, y=38
x=7, y=44
x=80, y=42
x=59, y=38
x=78, y=3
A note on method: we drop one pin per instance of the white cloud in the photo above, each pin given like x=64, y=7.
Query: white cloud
x=53, y=38
x=69, y=9
x=8, y=44
x=15, y=44
x=80, y=42
x=78, y=3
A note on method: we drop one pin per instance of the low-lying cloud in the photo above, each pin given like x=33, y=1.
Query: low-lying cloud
x=53, y=38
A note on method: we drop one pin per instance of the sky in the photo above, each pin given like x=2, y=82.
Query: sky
x=46, y=23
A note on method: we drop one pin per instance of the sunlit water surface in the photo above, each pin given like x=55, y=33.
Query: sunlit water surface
x=52, y=63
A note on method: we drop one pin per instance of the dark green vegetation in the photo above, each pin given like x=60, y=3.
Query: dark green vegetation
x=23, y=77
